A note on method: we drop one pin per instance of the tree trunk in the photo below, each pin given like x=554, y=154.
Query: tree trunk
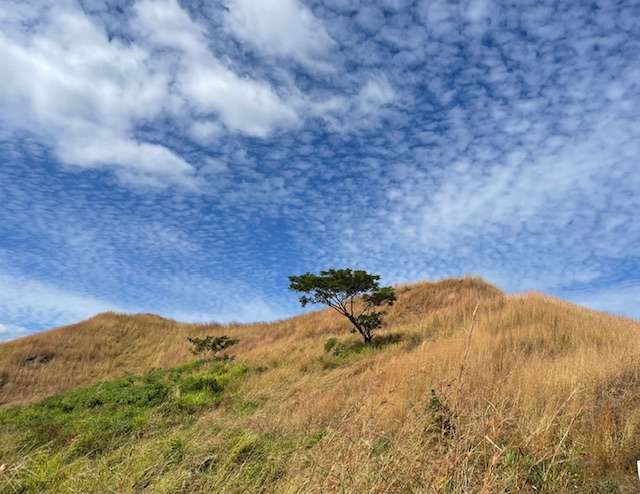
x=366, y=335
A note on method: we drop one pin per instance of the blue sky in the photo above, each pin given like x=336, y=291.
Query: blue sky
x=184, y=157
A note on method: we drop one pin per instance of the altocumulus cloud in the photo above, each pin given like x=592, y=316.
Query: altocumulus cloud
x=283, y=28
x=183, y=157
x=86, y=92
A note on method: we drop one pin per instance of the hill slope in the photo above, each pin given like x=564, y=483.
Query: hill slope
x=530, y=395
x=114, y=345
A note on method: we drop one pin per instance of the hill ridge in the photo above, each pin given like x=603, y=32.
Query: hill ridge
x=530, y=395
x=111, y=344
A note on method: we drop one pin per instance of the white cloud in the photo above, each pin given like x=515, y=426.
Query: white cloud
x=443, y=17
x=478, y=10
x=362, y=110
x=283, y=28
x=136, y=162
x=65, y=81
x=242, y=104
x=85, y=93
x=24, y=301
x=205, y=131
x=370, y=18
x=104, y=100
x=11, y=331
x=377, y=92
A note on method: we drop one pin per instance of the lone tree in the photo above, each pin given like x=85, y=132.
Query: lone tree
x=354, y=294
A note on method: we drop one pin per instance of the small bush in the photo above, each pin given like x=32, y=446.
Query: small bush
x=246, y=407
x=211, y=345
x=201, y=383
x=442, y=419
x=330, y=344
x=344, y=350
x=524, y=465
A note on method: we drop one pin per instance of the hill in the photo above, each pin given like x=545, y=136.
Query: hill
x=114, y=345
x=466, y=390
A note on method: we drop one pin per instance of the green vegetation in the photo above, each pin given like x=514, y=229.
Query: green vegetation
x=531, y=395
x=45, y=445
x=211, y=345
x=95, y=418
x=340, y=353
x=142, y=433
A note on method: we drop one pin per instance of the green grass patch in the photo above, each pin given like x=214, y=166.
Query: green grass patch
x=315, y=438
x=381, y=446
x=252, y=461
x=46, y=440
x=244, y=407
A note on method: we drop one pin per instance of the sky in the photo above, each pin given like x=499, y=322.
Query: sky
x=185, y=157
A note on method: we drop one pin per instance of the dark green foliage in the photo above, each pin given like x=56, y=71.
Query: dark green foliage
x=329, y=344
x=315, y=438
x=341, y=353
x=244, y=407
x=344, y=350
x=381, y=446
x=440, y=414
x=201, y=383
x=211, y=344
x=38, y=358
x=353, y=294
x=606, y=486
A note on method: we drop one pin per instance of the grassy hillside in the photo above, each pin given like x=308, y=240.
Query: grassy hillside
x=106, y=346
x=529, y=395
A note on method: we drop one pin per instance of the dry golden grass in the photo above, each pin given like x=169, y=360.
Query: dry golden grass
x=112, y=345
x=105, y=346
x=534, y=394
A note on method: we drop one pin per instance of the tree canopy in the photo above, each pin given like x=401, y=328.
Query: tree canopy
x=355, y=294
